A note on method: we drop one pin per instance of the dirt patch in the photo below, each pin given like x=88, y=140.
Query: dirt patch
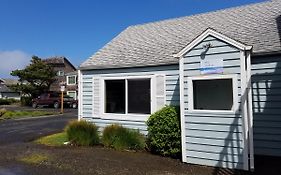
x=100, y=160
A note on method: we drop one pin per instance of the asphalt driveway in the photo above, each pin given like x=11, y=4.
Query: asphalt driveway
x=23, y=130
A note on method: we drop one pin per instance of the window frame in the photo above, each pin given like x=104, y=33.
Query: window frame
x=60, y=73
x=67, y=81
x=190, y=96
x=67, y=92
x=126, y=115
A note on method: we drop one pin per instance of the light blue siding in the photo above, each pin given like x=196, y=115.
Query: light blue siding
x=213, y=139
x=266, y=84
x=171, y=73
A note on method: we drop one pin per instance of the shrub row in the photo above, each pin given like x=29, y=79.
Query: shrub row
x=83, y=133
x=8, y=101
x=163, y=137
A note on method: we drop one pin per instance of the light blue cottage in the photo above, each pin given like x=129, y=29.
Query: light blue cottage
x=222, y=68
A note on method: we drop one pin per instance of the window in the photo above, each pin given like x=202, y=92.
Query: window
x=139, y=96
x=212, y=94
x=115, y=96
x=71, y=80
x=128, y=96
x=60, y=73
x=72, y=94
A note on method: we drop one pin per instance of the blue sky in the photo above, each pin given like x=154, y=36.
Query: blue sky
x=78, y=28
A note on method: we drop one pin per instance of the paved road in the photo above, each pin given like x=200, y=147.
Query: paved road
x=16, y=131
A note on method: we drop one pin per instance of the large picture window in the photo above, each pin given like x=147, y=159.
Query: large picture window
x=212, y=93
x=128, y=96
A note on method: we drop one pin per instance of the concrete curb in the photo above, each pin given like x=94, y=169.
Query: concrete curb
x=43, y=116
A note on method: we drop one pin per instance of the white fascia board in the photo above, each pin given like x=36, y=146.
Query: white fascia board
x=211, y=32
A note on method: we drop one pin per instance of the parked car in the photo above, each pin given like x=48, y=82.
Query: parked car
x=54, y=99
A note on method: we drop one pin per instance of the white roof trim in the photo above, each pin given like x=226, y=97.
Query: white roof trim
x=211, y=32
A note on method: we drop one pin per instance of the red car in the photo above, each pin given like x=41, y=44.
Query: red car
x=54, y=99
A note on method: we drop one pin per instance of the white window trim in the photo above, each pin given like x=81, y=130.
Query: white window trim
x=75, y=98
x=126, y=115
x=67, y=81
x=212, y=77
x=60, y=73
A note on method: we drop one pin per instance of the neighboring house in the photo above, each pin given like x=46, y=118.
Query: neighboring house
x=222, y=68
x=6, y=91
x=62, y=66
x=72, y=84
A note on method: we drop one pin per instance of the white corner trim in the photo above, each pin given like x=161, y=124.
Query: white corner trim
x=80, y=95
x=211, y=32
x=250, y=111
x=182, y=108
x=244, y=109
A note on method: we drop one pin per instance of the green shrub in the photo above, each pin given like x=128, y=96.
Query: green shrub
x=26, y=101
x=82, y=133
x=7, y=101
x=121, y=138
x=164, y=135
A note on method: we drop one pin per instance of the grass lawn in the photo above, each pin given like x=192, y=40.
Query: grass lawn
x=53, y=140
x=34, y=158
x=24, y=114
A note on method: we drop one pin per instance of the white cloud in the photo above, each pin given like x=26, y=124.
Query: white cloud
x=11, y=60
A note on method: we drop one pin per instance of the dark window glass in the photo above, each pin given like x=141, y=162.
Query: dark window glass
x=213, y=94
x=139, y=96
x=115, y=96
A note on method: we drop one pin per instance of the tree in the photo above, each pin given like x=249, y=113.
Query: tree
x=35, y=78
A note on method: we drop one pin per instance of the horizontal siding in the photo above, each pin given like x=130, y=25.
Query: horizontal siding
x=102, y=123
x=215, y=163
x=266, y=84
x=213, y=139
x=88, y=106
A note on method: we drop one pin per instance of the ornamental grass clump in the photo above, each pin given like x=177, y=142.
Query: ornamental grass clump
x=164, y=135
x=82, y=133
x=121, y=138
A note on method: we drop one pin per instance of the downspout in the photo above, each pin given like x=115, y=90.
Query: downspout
x=250, y=111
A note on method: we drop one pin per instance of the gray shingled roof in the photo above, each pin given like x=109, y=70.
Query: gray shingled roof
x=54, y=60
x=257, y=25
x=4, y=88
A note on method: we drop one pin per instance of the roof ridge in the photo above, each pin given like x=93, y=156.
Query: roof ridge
x=203, y=13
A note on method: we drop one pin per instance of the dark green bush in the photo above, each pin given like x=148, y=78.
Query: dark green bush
x=8, y=101
x=26, y=101
x=82, y=133
x=164, y=135
x=121, y=138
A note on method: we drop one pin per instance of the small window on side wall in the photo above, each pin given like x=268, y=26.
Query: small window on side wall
x=60, y=73
x=212, y=94
x=71, y=80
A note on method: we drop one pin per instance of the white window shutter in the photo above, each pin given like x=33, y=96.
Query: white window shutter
x=96, y=96
x=160, y=91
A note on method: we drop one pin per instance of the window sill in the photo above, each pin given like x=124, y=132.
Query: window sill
x=212, y=111
x=129, y=117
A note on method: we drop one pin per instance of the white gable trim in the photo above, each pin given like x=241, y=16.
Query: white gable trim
x=211, y=32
